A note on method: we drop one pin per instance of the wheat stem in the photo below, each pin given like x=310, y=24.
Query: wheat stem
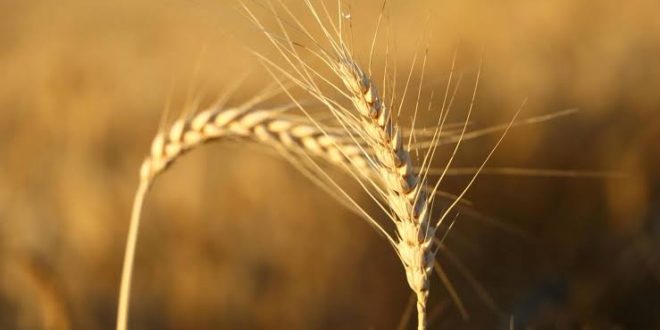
x=268, y=127
x=129, y=256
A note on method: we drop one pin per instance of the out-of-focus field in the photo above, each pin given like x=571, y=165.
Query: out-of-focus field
x=234, y=238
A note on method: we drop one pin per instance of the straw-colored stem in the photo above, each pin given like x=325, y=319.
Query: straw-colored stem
x=421, y=313
x=129, y=255
x=268, y=127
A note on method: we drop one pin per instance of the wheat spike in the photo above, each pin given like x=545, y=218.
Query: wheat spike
x=263, y=126
x=405, y=195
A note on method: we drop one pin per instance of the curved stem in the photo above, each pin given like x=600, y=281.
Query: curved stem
x=129, y=255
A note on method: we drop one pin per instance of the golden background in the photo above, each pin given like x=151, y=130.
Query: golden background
x=234, y=238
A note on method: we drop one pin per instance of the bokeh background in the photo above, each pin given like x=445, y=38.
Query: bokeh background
x=235, y=238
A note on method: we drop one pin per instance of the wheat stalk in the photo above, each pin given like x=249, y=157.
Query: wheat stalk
x=265, y=126
x=400, y=189
x=405, y=197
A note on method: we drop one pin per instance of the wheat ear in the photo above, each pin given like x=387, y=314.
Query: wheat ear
x=400, y=186
x=267, y=127
x=404, y=194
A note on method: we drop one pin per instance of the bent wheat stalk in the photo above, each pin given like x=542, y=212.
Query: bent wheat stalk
x=267, y=127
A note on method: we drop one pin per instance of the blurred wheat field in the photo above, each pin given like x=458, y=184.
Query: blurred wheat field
x=83, y=87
